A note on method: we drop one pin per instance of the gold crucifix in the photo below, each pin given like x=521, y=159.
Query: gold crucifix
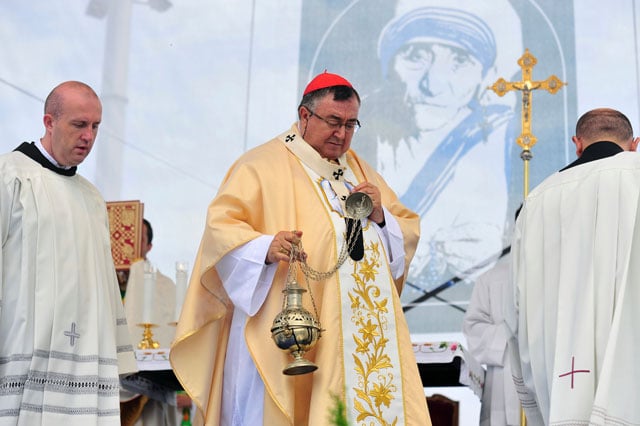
x=527, y=85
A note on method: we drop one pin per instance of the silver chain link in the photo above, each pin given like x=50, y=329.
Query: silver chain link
x=312, y=274
x=345, y=250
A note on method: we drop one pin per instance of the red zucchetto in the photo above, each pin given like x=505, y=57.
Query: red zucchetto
x=325, y=80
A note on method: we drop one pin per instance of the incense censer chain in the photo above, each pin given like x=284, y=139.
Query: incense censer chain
x=295, y=329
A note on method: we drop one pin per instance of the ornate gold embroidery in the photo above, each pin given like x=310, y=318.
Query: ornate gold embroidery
x=374, y=369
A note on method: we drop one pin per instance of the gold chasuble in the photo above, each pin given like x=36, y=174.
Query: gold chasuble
x=364, y=356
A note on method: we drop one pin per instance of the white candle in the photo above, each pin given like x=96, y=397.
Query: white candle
x=149, y=291
x=182, y=272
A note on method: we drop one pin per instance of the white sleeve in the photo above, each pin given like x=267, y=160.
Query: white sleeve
x=486, y=335
x=393, y=242
x=245, y=275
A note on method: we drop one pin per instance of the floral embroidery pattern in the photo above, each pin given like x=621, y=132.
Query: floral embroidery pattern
x=374, y=369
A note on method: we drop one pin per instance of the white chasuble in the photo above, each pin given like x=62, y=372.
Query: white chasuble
x=372, y=369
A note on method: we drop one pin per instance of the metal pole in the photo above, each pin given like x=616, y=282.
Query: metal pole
x=114, y=99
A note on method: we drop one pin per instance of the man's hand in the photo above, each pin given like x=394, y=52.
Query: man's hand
x=281, y=246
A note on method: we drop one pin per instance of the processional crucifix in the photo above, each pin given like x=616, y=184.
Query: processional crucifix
x=526, y=139
x=527, y=85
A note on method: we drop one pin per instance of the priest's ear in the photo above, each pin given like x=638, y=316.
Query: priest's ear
x=634, y=144
x=47, y=119
x=579, y=143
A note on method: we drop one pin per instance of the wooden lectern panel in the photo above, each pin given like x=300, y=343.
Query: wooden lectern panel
x=442, y=410
x=125, y=226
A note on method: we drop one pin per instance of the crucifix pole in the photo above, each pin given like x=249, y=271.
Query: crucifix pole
x=526, y=86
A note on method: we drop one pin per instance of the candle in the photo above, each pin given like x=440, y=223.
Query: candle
x=181, y=286
x=149, y=291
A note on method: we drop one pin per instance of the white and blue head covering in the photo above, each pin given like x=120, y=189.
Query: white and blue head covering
x=441, y=25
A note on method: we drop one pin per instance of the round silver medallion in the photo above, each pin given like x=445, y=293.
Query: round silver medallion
x=358, y=205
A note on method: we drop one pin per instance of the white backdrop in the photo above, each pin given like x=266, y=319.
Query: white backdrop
x=203, y=81
x=198, y=95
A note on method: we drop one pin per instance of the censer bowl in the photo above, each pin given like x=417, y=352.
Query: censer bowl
x=297, y=331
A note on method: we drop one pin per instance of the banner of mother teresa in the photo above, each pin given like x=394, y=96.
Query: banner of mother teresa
x=444, y=142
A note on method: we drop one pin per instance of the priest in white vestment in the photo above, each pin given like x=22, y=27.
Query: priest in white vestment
x=574, y=311
x=163, y=298
x=64, y=341
x=487, y=335
x=161, y=410
x=290, y=192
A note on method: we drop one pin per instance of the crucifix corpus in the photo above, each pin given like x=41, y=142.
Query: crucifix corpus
x=527, y=85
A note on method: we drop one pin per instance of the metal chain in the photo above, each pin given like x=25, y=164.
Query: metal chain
x=310, y=273
x=346, y=249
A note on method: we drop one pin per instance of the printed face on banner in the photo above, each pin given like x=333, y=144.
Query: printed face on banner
x=441, y=139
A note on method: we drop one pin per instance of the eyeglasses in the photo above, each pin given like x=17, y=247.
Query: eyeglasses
x=351, y=126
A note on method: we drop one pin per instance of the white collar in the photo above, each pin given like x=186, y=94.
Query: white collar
x=49, y=156
x=311, y=158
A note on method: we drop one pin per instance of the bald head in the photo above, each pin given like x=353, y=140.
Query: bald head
x=604, y=124
x=54, y=104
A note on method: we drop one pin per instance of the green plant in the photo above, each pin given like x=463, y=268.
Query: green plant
x=338, y=415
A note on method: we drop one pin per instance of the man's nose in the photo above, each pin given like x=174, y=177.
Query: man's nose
x=341, y=131
x=89, y=134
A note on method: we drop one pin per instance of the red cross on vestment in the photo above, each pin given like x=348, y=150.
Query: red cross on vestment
x=573, y=371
